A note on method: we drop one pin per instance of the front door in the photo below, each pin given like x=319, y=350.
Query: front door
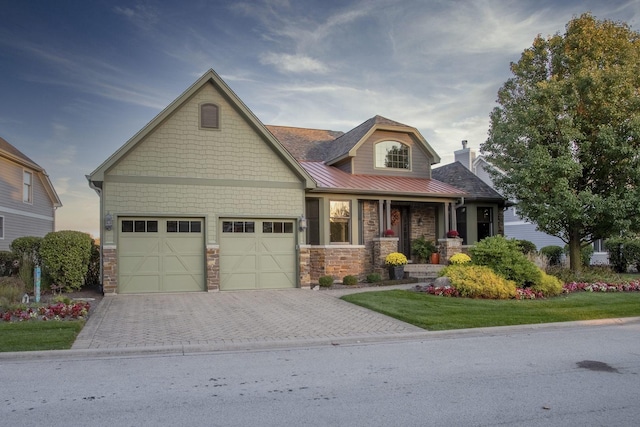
x=400, y=225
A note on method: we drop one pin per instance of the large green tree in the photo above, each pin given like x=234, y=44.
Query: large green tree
x=565, y=138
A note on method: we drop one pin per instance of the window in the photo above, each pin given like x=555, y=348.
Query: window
x=27, y=187
x=1, y=227
x=339, y=221
x=485, y=223
x=184, y=226
x=238, y=227
x=139, y=226
x=209, y=116
x=393, y=155
x=312, y=211
x=277, y=227
x=461, y=223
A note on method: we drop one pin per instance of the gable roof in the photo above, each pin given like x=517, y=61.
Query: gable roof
x=11, y=153
x=332, y=179
x=212, y=77
x=346, y=145
x=459, y=176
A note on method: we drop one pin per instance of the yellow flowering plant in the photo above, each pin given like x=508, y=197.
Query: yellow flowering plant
x=460, y=258
x=395, y=259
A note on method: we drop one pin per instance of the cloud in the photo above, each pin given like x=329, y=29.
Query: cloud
x=142, y=16
x=286, y=63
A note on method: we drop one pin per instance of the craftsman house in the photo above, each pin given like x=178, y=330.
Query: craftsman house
x=28, y=201
x=206, y=197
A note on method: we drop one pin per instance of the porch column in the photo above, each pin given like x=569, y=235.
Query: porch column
x=446, y=216
x=388, y=225
x=454, y=218
x=381, y=216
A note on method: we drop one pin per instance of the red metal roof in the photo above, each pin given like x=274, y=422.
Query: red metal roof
x=331, y=178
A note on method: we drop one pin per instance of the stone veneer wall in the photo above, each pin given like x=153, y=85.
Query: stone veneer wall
x=383, y=246
x=448, y=248
x=305, y=266
x=213, y=268
x=109, y=269
x=337, y=262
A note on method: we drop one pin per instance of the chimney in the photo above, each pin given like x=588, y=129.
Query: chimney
x=466, y=156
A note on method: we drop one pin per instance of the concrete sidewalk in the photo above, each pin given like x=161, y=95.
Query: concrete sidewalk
x=234, y=320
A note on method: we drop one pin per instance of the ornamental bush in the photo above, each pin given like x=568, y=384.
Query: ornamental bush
x=349, y=280
x=325, y=281
x=527, y=247
x=460, y=258
x=476, y=281
x=553, y=254
x=374, y=278
x=8, y=263
x=66, y=256
x=28, y=246
x=549, y=285
x=504, y=257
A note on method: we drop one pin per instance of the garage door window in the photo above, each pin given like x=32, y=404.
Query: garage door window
x=238, y=227
x=139, y=226
x=184, y=226
x=277, y=227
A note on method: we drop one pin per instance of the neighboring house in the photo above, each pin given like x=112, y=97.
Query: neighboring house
x=515, y=226
x=206, y=197
x=28, y=201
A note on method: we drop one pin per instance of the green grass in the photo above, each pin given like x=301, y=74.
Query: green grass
x=33, y=336
x=436, y=313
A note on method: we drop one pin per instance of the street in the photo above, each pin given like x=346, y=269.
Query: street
x=547, y=376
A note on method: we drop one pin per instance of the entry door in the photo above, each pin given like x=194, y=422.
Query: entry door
x=400, y=224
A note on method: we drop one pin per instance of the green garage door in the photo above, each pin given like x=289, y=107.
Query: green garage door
x=257, y=254
x=160, y=255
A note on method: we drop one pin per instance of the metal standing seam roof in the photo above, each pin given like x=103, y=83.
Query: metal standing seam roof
x=331, y=178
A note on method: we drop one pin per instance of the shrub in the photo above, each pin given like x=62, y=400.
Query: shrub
x=623, y=252
x=349, y=280
x=374, y=278
x=585, y=254
x=527, y=247
x=423, y=248
x=460, y=259
x=93, y=270
x=28, y=246
x=504, y=257
x=549, y=285
x=475, y=281
x=325, y=281
x=66, y=255
x=8, y=263
x=553, y=254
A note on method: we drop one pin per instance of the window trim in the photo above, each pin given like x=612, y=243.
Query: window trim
x=2, y=226
x=30, y=186
x=218, y=118
x=390, y=168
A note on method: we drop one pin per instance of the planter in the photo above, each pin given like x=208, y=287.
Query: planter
x=435, y=258
x=396, y=273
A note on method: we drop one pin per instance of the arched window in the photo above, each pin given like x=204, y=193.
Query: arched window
x=392, y=154
x=209, y=116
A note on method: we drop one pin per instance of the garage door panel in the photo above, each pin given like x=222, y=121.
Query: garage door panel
x=156, y=256
x=257, y=254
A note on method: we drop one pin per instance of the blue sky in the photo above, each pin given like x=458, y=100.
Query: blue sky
x=79, y=78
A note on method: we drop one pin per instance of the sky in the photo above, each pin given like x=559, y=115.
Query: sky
x=79, y=78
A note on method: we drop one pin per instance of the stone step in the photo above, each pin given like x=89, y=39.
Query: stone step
x=423, y=271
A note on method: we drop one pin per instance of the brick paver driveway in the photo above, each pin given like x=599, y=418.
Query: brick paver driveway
x=221, y=320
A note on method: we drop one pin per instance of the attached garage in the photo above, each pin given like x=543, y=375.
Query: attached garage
x=161, y=255
x=257, y=254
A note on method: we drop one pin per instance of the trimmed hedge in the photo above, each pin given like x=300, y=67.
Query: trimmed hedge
x=505, y=258
x=66, y=256
x=350, y=280
x=325, y=281
x=553, y=254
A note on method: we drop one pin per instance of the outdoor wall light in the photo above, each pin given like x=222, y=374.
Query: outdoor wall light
x=108, y=222
x=420, y=221
x=302, y=223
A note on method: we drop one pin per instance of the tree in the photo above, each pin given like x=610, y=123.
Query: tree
x=565, y=139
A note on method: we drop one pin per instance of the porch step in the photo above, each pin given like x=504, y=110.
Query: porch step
x=423, y=271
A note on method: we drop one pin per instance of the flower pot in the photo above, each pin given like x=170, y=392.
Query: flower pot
x=396, y=273
x=435, y=258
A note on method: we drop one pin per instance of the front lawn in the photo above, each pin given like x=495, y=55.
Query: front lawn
x=39, y=335
x=436, y=313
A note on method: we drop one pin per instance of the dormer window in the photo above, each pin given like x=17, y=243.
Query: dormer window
x=392, y=155
x=209, y=116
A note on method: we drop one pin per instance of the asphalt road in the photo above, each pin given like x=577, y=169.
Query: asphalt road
x=566, y=376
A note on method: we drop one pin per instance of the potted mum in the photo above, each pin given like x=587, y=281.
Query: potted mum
x=396, y=261
x=451, y=234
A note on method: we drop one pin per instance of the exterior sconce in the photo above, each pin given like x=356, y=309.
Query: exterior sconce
x=420, y=221
x=108, y=222
x=302, y=223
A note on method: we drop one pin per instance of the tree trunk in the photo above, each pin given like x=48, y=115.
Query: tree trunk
x=575, y=260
